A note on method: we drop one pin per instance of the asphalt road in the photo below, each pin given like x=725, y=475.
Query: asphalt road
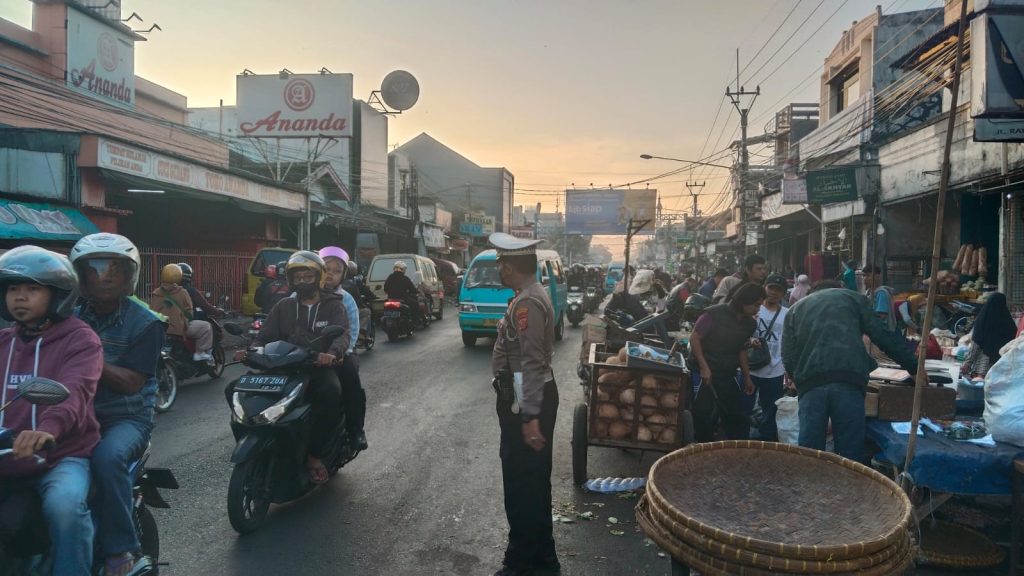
x=424, y=499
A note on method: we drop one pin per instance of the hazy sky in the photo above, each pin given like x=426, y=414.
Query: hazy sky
x=558, y=92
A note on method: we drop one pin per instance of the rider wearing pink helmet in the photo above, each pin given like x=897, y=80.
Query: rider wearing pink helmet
x=335, y=267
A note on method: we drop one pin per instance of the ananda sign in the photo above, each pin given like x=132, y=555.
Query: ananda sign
x=294, y=105
x=101, y=59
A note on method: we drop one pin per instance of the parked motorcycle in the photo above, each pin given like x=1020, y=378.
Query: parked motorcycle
x=176, y=364
x=397, y=319
x=574, y=306
x=24, y=538
x=271, y=422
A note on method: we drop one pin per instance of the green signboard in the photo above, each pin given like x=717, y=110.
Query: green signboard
x=831, y=185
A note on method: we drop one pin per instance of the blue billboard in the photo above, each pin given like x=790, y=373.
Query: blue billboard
x=608, y=211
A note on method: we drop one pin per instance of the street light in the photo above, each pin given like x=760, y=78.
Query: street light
x=650, y=157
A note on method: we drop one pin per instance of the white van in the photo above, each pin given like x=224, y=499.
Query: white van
x=416, y=267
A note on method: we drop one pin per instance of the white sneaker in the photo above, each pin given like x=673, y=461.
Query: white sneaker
x=202, y=357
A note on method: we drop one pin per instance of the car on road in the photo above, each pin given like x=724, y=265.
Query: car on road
x=255, y=275
x=483, y=300
x=613, y=275
x=417, y=268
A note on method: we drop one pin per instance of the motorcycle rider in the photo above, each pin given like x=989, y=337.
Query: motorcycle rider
x=300, y=319
x=46, y=340
x=203, y=308
x=273, y=288
x=132, y=336
x=353, y=284
x=173, y=301
x=335, y=267
x=398, y=286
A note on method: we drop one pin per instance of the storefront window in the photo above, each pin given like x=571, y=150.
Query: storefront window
x=33, y=173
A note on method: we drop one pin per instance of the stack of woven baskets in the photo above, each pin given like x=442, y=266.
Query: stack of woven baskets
x=760, y=508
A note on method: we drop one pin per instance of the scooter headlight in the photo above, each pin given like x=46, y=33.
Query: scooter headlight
x=236, y=408
x=274, y=413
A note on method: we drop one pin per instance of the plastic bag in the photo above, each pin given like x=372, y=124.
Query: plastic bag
x=1004, y=395
x=788, y=419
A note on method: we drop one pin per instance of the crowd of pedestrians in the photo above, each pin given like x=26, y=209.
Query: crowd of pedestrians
x=766, y=335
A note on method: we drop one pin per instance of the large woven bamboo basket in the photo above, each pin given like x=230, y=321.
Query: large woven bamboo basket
x=711, y=565
x=748, y=498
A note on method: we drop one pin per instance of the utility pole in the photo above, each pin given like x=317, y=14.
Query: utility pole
x=737, y=99
x=690, y=186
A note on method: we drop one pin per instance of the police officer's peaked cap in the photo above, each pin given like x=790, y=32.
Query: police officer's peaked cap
x=508, y=245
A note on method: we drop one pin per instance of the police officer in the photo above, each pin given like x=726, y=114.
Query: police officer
x=527, y=405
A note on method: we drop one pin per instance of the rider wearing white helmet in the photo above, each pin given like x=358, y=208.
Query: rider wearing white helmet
x=132, y=336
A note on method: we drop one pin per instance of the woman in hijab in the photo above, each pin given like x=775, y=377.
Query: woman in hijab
x=992, y=330
x=801, y=289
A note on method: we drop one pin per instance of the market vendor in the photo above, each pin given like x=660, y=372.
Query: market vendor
x=992, y=330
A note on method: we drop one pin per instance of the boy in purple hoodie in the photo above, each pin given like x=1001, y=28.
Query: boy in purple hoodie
x=39, y=289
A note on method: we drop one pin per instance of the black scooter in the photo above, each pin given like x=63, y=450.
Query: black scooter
x=574, y=303
x=271, y=419
x=397, y=319
x=23, y=533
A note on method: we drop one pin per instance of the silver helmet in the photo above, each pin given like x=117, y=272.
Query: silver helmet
x=40, y=266
x=106, y=245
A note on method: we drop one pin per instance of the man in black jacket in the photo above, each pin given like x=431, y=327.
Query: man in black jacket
x=300, y=320
x=398, y=286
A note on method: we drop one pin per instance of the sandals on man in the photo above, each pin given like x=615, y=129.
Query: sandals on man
x=317, y=473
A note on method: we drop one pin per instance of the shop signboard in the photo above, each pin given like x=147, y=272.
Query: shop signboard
x=609, y=210
x=294, y=105
x=997, y=59
x=20, y=220
x=477, y=225
x=998, y=130
x=832, y=185
x=794, y=191
x=100, y=58
x=433, y=237
x=159, y=168
x=522, y=232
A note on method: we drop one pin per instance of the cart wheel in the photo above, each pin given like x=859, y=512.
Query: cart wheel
x=579, y=444
x=686, y=422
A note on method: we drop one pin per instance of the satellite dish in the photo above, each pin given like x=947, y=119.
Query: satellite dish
x=400, y=90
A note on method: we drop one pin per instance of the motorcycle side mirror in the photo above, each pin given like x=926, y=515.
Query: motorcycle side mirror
x=233, y=329
x=43, y=391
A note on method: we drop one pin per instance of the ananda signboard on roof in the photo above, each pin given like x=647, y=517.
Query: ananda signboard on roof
x=294, y=105
x=101, y=59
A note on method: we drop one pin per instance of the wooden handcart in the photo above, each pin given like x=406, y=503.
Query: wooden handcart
x=651, y=407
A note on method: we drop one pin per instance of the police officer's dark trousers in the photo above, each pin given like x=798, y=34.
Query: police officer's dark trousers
x=526, y=475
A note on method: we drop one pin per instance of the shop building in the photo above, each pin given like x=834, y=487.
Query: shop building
x=88, y=144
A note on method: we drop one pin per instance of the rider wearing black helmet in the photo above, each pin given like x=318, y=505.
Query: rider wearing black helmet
x=39, y=289
x=300, y=320
x=203, y=309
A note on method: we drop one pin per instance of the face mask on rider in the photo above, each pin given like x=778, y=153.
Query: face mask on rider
x=305, y=290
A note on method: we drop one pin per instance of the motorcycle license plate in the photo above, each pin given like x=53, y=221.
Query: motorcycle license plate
x=261, y=383
x=392, y=313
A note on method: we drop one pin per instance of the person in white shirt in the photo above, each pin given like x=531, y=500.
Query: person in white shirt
x=769, y=379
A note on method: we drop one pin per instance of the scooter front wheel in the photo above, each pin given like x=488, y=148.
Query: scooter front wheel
x=167, y=386
x=247, y=507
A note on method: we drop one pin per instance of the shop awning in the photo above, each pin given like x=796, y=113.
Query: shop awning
x=21, y=220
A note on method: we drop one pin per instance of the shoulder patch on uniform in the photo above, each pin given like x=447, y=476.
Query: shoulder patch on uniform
x=522, y=318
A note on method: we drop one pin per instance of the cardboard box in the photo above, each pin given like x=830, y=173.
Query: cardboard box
x=896, y=401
